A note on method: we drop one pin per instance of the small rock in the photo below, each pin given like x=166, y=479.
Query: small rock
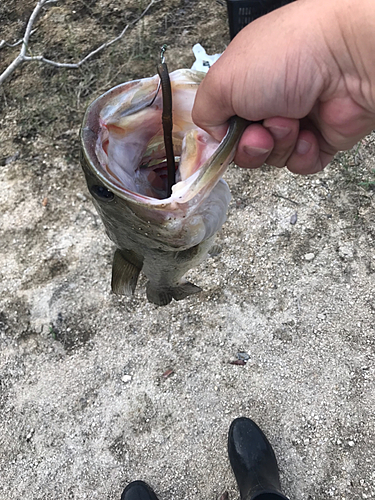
x=81, y=196
x=346, y=251
x=243, y=355
x=293, y=219
x=126, y=378
x=7, y=160
x=168, y=373
x=30, y=435
x=351, y=443
x=309, y=256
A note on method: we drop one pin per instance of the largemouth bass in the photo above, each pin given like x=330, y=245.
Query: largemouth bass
x=124, y=162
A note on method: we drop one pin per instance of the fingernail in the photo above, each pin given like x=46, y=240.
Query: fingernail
x=303, y=147
x=279, y=132
x=255, y=151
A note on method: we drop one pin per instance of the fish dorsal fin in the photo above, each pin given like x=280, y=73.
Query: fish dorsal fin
x=125, y=271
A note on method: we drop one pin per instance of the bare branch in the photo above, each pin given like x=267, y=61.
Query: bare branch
x=4, y=43
x=18, y=60
x=22, y=57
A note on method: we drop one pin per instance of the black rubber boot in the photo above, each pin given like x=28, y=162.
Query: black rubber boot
x=253, y=462
x=138, y=490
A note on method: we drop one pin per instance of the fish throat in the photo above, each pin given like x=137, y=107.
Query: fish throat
x=138, y=151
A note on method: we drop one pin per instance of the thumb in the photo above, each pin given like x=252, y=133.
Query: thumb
x=212, y=108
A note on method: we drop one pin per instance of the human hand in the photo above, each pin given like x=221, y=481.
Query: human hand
x=307, y=72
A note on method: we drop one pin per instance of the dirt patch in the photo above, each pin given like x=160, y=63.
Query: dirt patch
x=84, y=405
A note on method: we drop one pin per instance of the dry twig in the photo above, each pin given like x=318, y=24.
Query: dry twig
x=4, y=43
x=22, y=56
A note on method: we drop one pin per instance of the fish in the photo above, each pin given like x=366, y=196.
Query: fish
x=124, y=162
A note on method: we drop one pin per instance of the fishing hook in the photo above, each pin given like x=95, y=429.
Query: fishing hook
x=163, y=48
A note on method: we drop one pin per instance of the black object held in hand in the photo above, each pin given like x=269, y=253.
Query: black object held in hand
x=242, y=12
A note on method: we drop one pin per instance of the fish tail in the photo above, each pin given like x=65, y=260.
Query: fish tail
x=163, y=296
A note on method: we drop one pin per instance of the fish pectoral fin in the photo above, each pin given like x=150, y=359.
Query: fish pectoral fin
x=124, y=275
x=163, y=296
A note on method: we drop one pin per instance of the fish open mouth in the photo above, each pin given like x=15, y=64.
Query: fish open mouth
x=130, y=143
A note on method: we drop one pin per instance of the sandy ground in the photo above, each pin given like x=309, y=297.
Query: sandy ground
x=84, y=405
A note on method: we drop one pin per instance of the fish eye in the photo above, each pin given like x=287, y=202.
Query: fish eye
x=102, y=193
